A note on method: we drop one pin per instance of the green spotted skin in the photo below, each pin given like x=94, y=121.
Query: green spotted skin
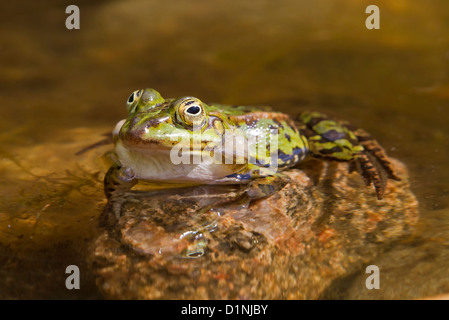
x=156, y=125
x=329, y=138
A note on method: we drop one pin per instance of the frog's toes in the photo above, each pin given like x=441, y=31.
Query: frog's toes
x=372, y=173
x=371, y=146
x=373, y=163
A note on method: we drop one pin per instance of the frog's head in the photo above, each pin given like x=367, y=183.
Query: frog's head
x=160, y=133
x=156, y=123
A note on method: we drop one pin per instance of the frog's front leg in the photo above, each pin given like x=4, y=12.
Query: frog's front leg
x=117, y=182
x=337, y=140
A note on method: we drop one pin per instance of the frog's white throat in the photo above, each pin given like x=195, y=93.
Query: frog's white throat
x=156, y=165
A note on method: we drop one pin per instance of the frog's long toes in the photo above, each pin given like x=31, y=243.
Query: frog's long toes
x=379, y=187
x=372, y=173
x=394, y=176
x=374, y=149
x=363, y=172
x=380, y=194
x=379, y=183
x=387, y=166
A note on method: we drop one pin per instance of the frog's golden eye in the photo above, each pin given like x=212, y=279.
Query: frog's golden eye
x=190, y=111
x=133, y=101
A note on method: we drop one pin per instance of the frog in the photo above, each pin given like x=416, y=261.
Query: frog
x=180, y=141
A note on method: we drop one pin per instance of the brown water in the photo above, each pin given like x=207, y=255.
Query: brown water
x=61, y=89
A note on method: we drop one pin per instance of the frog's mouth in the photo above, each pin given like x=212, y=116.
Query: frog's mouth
x=156, y=162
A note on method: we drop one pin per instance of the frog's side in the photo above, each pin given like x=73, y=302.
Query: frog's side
x=146, y=140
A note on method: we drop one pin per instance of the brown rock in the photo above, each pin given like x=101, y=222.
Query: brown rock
x=209, y=243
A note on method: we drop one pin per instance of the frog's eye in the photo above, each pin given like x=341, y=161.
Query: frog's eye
x=133, y=101
x=190, y=111
x=131, y=98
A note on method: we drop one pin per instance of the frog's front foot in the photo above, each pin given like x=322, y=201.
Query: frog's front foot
x=337, y=140
x=117, y=182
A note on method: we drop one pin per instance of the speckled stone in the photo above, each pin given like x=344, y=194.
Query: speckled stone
x=323, y=225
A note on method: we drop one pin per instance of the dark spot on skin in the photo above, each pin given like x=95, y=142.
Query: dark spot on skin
x=300, y=152
x=315, y=121
x=278, y=124
x=189, y=102
x=307, y=132
x=333, y=135
x=288, y=137
x=323, y=139
x=331, y=150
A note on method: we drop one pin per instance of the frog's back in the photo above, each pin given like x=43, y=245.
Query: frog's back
x=266, y=130
x=236, y=110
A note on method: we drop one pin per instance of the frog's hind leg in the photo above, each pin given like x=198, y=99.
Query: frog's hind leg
x=337, y=140
x=261, y=182
x=263, y=187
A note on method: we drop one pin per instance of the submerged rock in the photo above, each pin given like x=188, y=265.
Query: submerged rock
x=209, y=242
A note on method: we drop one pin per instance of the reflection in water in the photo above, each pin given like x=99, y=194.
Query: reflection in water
x=172, y=222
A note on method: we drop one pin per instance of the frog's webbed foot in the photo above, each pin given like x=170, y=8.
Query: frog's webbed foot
x=337, y=140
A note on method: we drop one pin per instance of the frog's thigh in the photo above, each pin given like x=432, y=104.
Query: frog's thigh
x=330, y=138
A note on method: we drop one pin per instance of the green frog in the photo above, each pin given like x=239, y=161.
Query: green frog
x=186, y=140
